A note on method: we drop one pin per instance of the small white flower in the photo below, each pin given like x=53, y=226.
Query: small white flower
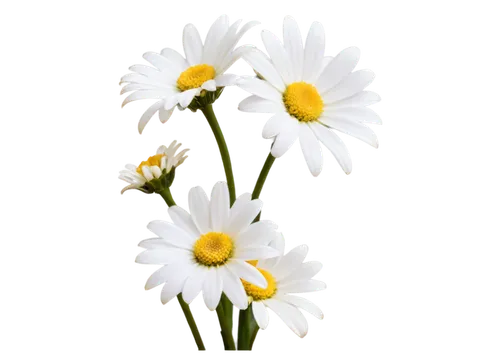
x=153, y=168
x=176, y=80
x=285, y=275
x=310, y=94
x=207, y=250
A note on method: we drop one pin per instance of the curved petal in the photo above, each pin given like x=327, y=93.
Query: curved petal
x=177, y=62
x=353, y=83
x=302, y=286
x=358, y=114
x=306, y=271
x=290, y=315
x=183, y=219
x=172, y=234
x=165, y=114
x=261, y=64
x=240, y=202
x=292, y=40
x=335, y=145
x=161, y=256
x=304, y=304
x=278, y=56
x=146, y=116
x=247, y=272
x=260, y=314
x=285, y=138
x=352, y=128
x=194, y=284
x=257, y=104
x=214, y=36
x=226, y=80
x=193, y=47
x=260, y=88
x=314, y=52
x=363, y=98
x=255, y=253
x=338, y=68
x=290, y=262
x=244, y=217
x=199, y=208
x=233, y=288
x=310, y=149
x=259, y=233
x=219, y=206
x=173, y=287
x=212, y=289
x=277, y=124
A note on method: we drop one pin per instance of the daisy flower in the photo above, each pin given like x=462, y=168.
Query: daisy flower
x=155, y=173
x=175, y=80
x=310, y=94
x=285, y=275
x=207, y=250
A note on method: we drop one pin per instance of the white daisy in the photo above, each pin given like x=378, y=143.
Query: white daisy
x=156, y=167
x=176, y=80
x=310, y=94
x=285, y=275
x=207, y=250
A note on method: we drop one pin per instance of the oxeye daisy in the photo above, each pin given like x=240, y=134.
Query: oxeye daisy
x=286, y=274
x=310, y=94
x=194, y=81
x=157, y=172
x=207, y=250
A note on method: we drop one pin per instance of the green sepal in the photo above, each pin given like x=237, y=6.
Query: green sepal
x=205, y=98
x=159, y=184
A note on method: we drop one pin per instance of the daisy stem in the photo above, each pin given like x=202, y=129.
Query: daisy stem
x=167, y=196
x=226, y=331
x=208, y=111
x=262, y=178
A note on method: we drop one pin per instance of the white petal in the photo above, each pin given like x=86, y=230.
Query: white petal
x=314, y=52
x=172, y=234
x=212, y=289
x=334, y=145
x=214, y=36
x=182, y=219
x=244, y=217
x=226, y=55
x=146, y=171
x=193, y=47
x=147, y=94
x=155, y=243
x=259, y=233
x=233, y=57
x=233, y=288
x=278, y=56
x=261, y=88
x=277, y=124
x=306, y=271
x=289, y=314
x=166, y=114
x=255, y=253
x=311, y=149
x=239, y=204
x=145, y=70
x=156, y=171
x=209, y=85
x=260, y=314
x=219, y=206
x=199, y=208
x=157, y=60
x=302, y=286
x=292, y=39
x=364, y=98
x=290, y=262
x=194, y=284
x=173, y=287
x=304, y=304
x=358, y=114
x=158, y=277
x=352, y=128
x=261, y=64
x=247, y=272
x=226, y=80
x=148, y=114
x=279, y=245
x=350, y=85
x=177, y=62
x=257, y=104
x=338, y=68
x=186, y=97
x=285, y=139
x=161, y=256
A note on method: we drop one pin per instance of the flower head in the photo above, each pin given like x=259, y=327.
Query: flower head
x=157, y=172
x=207, y=250
x=190, y=82
x=309, y=95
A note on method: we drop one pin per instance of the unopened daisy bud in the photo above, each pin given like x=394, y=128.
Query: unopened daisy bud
x=155, y=174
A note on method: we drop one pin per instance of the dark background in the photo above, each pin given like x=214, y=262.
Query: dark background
x=345, y=222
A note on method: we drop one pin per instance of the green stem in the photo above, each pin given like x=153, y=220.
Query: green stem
x=208, y=111
x=167, y=196
x=262, y=179
x=226, y=332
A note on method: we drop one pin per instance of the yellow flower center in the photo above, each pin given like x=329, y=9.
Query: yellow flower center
x=257, y=293
x=154, y=160
x=303, y=101
x=213, y=249
x=195, y=76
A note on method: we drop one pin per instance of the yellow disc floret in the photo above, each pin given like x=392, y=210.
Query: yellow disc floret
x=257, y=293
x=213, y=249
x=303, y=101
x=154, y=160
x=195, y=76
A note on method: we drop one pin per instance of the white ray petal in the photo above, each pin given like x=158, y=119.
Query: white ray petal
x=199, y=208
x=335, y=145
x=353, y=83
x=352, y=128
x=310, y=149
x=256, y=104
x=290, y=315
x=338, y=69
x=260, y=314
x=292, y=40
x=193, y=47
x=263, y=66
x=313, y=53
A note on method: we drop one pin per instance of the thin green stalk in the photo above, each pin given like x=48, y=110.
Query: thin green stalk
x=208, y=111
x=167, y=196
x=226, y=332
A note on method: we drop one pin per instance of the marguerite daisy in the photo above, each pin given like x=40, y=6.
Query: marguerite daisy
x=207, y=250
x=285, y=275
x=175, y=80
x=310, y=94
x=157, y=172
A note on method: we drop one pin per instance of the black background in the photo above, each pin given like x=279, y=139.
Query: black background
x=345, y=222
